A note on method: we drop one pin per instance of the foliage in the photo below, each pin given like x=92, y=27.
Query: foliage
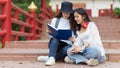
x=117, y=11
x=25, y=3
x=0, y=45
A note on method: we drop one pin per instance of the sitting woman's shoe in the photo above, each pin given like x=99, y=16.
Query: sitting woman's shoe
x=68, y=60
x=92, y=62
x=50, y=61
x=42, y=58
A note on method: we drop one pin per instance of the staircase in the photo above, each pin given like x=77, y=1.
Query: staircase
x=24, y=50
x=30, y=50
x=112, y=49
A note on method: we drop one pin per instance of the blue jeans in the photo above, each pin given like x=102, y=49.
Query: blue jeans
x=58, y=49
x=89, y=52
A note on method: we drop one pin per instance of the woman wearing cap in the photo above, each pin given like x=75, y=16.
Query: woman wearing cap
x=87, y=46
x=58, y=48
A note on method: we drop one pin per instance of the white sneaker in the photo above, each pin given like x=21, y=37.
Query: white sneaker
x=92, y=62
x=68, y=60
x=42, y=58
x=50, y=61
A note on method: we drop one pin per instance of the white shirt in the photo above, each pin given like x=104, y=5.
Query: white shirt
x=92, y=36
x=63, y=24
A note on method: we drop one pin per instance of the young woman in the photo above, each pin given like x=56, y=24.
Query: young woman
x=87, y=47
x=58, y=48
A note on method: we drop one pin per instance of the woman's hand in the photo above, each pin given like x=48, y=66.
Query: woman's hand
x=48, y=30
x=76, y=49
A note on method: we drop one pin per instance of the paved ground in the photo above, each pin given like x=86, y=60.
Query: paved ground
x=35, y=64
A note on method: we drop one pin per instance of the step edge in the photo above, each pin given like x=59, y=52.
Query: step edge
x=24, y=51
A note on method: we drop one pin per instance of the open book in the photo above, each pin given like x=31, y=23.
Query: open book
x=62, y=34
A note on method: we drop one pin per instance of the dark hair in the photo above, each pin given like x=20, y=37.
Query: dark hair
x=74, y=25
x=83, y=13
x=59, y=15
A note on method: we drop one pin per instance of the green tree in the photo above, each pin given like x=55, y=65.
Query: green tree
x=25, y=3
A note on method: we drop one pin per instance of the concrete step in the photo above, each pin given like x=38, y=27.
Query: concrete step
x=30, y=50
x=113, y=55
x=111, y=44
x=43, y=44
x=16, y=54
x=38, y=44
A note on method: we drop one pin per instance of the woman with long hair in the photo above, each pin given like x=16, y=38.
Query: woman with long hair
x=87, y=47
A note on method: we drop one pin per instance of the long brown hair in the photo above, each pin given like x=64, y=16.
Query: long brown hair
x=74, y=25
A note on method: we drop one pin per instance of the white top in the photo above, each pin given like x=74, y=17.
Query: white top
x=92, y=36
x=63, y=24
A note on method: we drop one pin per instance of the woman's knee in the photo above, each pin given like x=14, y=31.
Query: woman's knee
x=92, y=52
x=53, y=42
x=95, y=50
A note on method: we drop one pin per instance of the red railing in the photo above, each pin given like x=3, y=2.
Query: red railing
x=46, y=12
x=10, y=14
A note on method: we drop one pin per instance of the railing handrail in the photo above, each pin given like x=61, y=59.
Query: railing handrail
x=34, y=24
x=20, y=10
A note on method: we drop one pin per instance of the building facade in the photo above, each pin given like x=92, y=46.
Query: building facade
x=94, y=7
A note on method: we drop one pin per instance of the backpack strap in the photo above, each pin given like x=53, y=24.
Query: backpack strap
x=57, y=22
